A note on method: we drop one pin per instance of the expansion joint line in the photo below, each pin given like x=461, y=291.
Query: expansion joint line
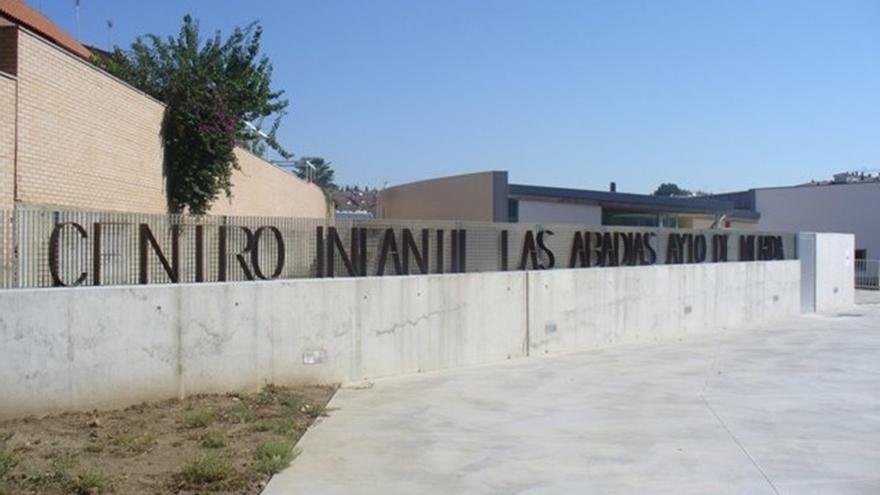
x=740, y=445
x=721, y=421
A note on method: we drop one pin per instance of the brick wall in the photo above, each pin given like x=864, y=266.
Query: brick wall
x=85, y=139
x=88, y=140
x=262, y=189
x=8, y=49
x=7, y=140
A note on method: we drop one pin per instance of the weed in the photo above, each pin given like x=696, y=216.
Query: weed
x=94, y=448
x=280, y=426
x=135, y=443
x=262, y=425
x=89, y=482
x=62, y=463
x=7, y=462
x=274, y=456
x=315, y=410
x=213, y=440
x=293, y=400
x=199, y=419
x=207, y=468
x=242, y=413
x=267, y=394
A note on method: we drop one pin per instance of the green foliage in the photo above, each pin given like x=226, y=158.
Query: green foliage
x=7, y=462
x=135, y=443
x=315, y=411
x=207, y=468
x=274, y=456
x=213, y=440
x=322, y=175
x=89, y=482
x=669, y=189
x=211, y=89
x=198, y=419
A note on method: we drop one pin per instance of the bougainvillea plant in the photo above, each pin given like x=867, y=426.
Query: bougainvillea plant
x=210, y=90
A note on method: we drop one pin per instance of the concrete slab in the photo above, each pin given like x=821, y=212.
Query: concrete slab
x=792, y=409
x=868, y=297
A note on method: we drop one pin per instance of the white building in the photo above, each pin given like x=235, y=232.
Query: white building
x=849, y=204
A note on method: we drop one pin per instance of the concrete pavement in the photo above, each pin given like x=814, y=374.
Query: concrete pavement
x=788, y=409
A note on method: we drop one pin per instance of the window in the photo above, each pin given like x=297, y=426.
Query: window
x=861, y=254
x=513, y=210
x=633, y=218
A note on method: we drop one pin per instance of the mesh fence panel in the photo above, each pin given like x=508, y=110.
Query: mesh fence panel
x=108, y=248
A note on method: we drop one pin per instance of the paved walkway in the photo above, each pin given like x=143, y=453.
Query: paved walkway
x=794, y=409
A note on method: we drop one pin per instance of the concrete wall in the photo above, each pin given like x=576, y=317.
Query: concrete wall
x=7, y=141
x=841, y=208
x=63, y=349
x=262, y=189
x=478, y=197
x=582, y=309
x=533, y=211
x=827, y=272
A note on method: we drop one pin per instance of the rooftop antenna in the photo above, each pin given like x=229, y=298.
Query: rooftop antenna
x=109, y=34
x=76, y=8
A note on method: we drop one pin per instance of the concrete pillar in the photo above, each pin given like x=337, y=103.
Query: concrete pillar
x=827, y=271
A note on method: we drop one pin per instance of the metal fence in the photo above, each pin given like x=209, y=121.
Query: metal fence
x=41, y=247
x=867, y=274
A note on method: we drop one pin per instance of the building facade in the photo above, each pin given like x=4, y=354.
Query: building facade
x=847, y=207
x=487, y=196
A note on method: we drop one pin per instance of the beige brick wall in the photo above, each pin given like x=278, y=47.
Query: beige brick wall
x=85, y=139
x=7, y=140
x=262, y=189
x=88, y=140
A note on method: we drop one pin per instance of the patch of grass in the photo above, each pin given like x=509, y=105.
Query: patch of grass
x=62, y=463
x=134, y=443
x=213, y=440
x=267, y=394
x=7, y=462
x=94, y=448
x=274, y=456
x=280, y=426
x=262, y=425
x=242, y=413
x=89, y=482
x=199, y=419
x=315, y=410
x=293, y=400
x=207, y=468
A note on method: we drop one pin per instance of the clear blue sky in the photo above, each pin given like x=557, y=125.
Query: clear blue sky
x=713, y=95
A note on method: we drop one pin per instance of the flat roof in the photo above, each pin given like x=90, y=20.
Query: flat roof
x=630, y=200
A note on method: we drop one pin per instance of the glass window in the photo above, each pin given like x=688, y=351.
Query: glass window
x=513, y=210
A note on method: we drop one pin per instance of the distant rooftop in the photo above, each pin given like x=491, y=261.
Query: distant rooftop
x=19, y=13
x=693, y=204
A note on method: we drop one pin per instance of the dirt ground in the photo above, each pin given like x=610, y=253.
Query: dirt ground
x=204, y=444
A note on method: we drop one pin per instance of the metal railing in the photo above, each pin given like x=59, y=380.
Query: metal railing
x=867, y=274
x=113, y=248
